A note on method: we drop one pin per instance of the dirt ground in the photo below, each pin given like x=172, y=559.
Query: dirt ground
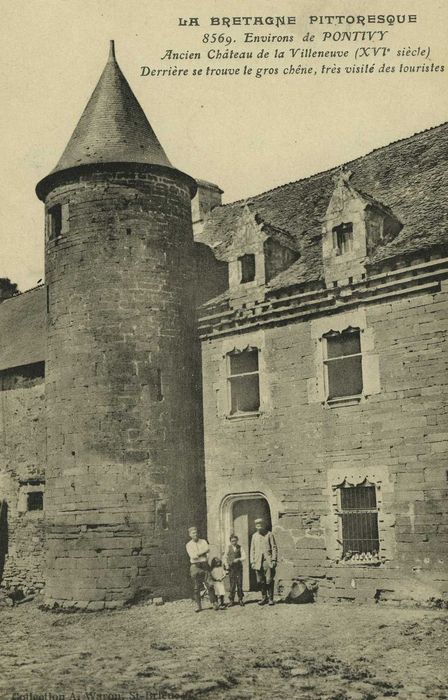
x=310, y=652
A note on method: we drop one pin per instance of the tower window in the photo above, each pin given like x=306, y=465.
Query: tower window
x=247, y=267
x=163, y=516
x=58, y=221
x=359, y=519
x=243, y=379
x=159, y=386
x=55, y=222
x=343, y=238
x=343, y=363
x=35, y=500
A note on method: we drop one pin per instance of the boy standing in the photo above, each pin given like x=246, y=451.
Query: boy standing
x=235, y=556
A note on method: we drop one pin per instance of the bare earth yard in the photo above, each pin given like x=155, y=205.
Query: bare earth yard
x=310, y=652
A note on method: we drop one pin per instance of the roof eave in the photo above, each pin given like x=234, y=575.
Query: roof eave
x=58, y=177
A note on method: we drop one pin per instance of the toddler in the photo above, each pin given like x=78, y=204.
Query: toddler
x=217, y=576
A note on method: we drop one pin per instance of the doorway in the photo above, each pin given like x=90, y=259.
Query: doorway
x=244, y=511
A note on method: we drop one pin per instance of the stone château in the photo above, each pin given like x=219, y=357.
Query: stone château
x=188, y=361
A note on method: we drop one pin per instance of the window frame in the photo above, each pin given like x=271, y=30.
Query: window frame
x=343, y=238
x=26, y=487
x=246, y=257
x=54, y=235
x=232, y=377
x=334, y=400
x=64, y=215
x=355, y=558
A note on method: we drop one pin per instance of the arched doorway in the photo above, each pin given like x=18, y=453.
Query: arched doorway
x=239, y=514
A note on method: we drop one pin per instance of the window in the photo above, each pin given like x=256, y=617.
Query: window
x=35, y=500
x=55, y=222
x=58, y=221
x=247, y=268
x=243, y=379
x=162, y=516
x=343, y=238
x=157, y=384
x=343, y=364
x=359, y=521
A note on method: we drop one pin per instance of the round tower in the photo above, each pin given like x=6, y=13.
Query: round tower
x=124, y=474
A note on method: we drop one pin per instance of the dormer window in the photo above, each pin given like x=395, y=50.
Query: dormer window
x=343, y=238
x=247, y=268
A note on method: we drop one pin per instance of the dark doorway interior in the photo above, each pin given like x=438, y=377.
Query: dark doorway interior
x=244, y=513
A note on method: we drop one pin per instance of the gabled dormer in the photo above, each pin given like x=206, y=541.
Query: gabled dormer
x=355, y=224
x=257, y=252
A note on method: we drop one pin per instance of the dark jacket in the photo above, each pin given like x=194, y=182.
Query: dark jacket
x=232, y=555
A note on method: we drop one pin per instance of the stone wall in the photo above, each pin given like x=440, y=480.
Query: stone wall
x=22, y=469
x=298, y=448
x=125, y=472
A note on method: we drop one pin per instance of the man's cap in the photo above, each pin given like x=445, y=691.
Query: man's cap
x=233, y=537
x=258, y=520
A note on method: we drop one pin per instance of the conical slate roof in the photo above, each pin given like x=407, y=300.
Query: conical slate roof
x=113, y=127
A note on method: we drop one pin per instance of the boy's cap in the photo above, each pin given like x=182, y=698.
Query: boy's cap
x=191, y=529
x=258, y=520
x=233, y=537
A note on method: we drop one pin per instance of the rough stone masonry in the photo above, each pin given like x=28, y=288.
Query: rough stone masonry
x=323, y=324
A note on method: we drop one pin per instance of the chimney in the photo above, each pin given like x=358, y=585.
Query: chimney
x=207, y=198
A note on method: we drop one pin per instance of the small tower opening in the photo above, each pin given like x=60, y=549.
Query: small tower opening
x=35, y=500
x=54, y=222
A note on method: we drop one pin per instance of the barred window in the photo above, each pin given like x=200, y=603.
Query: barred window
x=343, y=362
x=247, y=268
x=343, y=238
x=243, y=380
x=359, y=520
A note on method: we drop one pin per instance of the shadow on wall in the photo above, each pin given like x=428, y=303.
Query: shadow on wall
x=3, y=536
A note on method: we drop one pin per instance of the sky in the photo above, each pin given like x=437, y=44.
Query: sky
x=246, y=135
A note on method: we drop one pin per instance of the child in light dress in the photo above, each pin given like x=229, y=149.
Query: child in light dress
x=217, y=575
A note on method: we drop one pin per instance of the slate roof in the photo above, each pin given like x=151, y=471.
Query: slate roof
x=222, y=248
x=22, y=329
x=113, y=127
x=407, y=176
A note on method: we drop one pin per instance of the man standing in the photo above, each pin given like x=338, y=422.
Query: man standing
x=197, y=550
x=263, y=559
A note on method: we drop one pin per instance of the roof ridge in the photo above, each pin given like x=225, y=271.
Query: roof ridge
x=334, y=167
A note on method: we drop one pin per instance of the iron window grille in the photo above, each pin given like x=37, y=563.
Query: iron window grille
x=243, y=381
x=343, y=363
x=359, y=521
x=343, y=238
